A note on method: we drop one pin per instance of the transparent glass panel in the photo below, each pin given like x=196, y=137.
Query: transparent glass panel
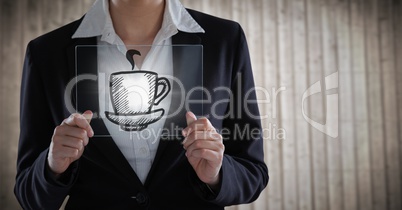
x=141, y=91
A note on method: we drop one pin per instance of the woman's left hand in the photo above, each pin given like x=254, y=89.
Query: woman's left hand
x=204, y=149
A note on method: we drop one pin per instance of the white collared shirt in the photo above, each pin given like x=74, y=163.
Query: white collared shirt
x=138, y=147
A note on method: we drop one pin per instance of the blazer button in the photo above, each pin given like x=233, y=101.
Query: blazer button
x=141, y=199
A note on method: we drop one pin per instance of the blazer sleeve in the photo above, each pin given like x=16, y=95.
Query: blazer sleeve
x=35, y=187
x=243, y=173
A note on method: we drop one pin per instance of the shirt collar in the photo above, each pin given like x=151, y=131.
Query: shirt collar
x=97, y=22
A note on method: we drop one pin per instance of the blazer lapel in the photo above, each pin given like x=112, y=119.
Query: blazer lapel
x=86, y=98
x=182, y=61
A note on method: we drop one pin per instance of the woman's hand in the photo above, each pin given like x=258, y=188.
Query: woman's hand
x=68, y=141
x=204, y=149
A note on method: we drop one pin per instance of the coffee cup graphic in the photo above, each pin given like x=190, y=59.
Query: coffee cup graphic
x=133, y=95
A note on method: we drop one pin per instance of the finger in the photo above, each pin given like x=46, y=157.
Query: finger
x=201, y=135
x=190, y=117
x=88, y=115
x=69, y=131
x=79, y=120
x=202, y=124
x=72, y=142
x=65, y=152
x=203, y=144
x=76, y=120
x=209, y=155
x=83, y=121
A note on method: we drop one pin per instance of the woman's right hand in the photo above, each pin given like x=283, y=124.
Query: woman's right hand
x=68, y=141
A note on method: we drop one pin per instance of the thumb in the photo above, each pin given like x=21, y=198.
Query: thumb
x=88, y=115
x=190, y=117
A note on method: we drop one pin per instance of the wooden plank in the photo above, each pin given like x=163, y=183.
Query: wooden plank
x=387, y=58
x=226, y=7
x=270, y=74
x=3, y=149
x=332, y=38
x=208, y=8
x=251, y=24
x=72, y=10
x=240, y=14
x=375, y=110
x=303, y=158
x=218, y=7
x=286, y=103
x=32, y=23
x=86, y=5
x=196, y=5
x=360, y=109
x=316, y=106
x=375, y=53
x=347, y=97
x=397, y=16
x=254, y=38
x=52, y=14
x=255, y=32
x=10, y=79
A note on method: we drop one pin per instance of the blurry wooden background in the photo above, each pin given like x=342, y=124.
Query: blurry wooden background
x=293, y=44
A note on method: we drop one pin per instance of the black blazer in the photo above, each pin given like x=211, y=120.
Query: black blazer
x=102, y=178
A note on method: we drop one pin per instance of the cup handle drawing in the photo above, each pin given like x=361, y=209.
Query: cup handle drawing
x=165, y=89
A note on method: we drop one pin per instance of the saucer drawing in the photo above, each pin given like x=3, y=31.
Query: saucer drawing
x=135, y=122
